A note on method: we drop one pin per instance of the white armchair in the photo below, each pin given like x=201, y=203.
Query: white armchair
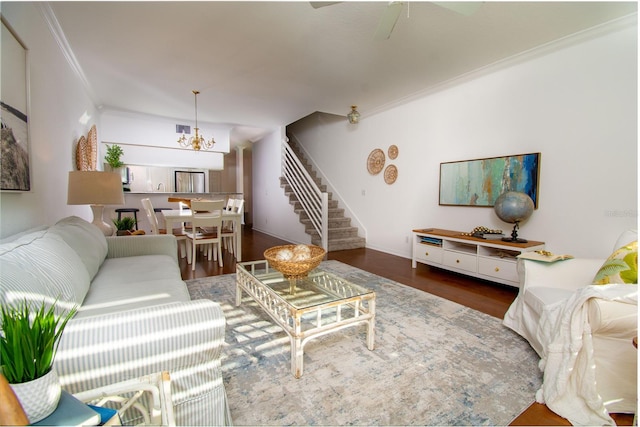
x=583, y=335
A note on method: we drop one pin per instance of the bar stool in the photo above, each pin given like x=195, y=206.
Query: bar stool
x=134, y=211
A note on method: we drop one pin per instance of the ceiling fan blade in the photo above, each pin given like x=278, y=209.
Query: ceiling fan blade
x=466, y=8
x=319, y=4
x=388, y=21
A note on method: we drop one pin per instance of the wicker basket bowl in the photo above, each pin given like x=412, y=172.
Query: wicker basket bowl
x=294, y=269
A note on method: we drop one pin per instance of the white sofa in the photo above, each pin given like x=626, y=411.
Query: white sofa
x=583, y=334
x=135, y=316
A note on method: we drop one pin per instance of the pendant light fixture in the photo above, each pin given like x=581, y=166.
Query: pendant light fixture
x=197, y=142
x=353, y=116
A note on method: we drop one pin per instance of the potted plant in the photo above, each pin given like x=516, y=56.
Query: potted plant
x=28, y=346
x=112, y=157
x=124, y=226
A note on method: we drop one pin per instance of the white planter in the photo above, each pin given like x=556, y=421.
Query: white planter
x=40, y=397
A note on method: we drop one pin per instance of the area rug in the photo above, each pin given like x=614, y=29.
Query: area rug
x=435, y=363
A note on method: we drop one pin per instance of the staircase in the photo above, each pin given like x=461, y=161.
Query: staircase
x=341, y=235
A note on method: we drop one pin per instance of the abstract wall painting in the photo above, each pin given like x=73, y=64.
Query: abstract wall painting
x=479, y=182
x=14, y=153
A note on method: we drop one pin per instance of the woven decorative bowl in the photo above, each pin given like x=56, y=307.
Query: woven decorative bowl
x=294, y=269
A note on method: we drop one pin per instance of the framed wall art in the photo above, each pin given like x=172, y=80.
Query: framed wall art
x=15, y=174
x=479, y=182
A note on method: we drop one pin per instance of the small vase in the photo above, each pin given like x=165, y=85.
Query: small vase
x=40, y=397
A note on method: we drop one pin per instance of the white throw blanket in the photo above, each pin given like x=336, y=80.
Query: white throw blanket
x=569, y=384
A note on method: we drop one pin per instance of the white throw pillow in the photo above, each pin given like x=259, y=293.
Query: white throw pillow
x=625, y=238
x=42, y=267
x=85, y=239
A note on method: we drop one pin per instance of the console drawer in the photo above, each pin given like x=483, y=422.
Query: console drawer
x=428, y=253
x=461, y=261
x=498, y=268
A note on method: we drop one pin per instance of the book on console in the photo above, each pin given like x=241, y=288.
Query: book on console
x=431, y=240
x=493, y=236
x=544, y=256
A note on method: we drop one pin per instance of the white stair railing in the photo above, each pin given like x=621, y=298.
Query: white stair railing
x=314, y=202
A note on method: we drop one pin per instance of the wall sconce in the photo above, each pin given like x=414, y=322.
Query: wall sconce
x=353, y=116
x=96, y=189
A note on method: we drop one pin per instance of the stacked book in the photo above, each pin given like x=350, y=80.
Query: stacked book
x=431, y=240
x=491, y=236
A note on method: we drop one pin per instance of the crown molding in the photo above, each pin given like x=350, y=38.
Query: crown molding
x=600, y=30
x=58, y=35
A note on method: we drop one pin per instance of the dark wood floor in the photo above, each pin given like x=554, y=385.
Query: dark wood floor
x=487, y=297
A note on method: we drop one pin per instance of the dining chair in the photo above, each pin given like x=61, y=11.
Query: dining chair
x=229, y=205
x=229, y=229
x=155, y=229
x=239, y=205
x=225, y=224
x=207, y=230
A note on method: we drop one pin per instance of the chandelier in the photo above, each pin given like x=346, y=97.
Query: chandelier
x=353, y=116
x=197, y=142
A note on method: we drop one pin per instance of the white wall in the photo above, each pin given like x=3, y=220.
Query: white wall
x=57, y=102
x=272, y=212
x=577, y=105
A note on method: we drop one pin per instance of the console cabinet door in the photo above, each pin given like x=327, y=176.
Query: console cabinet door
x=462, y=261
x=429, y=253
x=500, y=269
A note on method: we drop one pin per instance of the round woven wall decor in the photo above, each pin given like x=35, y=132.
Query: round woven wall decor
x=375, y=161
x=393, y=152
x=390, y=174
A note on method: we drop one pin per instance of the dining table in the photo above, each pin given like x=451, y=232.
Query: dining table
x=176, y=217
x=186, y=201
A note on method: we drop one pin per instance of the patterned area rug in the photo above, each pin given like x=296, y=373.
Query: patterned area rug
x=435, y=363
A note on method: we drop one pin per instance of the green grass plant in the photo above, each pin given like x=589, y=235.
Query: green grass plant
x=125, y=223
x=29, y=341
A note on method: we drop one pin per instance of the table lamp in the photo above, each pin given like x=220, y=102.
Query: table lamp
x=96, y=189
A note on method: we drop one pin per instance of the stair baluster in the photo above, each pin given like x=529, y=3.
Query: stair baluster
x=323, y=220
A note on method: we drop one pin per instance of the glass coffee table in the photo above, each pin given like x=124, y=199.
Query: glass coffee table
x=307, y=308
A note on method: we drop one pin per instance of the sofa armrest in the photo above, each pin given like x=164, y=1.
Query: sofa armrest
x=613, y=319
x=568, y=274
x=125, y=246
x=613, y=325
x=184, y=338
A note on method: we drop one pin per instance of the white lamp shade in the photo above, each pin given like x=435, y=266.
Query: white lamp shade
x=94, y=188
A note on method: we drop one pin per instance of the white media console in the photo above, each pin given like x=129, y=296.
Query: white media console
x=493, y=260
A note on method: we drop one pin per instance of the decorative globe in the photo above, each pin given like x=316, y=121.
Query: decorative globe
x=514, y=207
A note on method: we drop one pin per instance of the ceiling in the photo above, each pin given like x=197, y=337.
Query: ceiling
x=260, y=65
